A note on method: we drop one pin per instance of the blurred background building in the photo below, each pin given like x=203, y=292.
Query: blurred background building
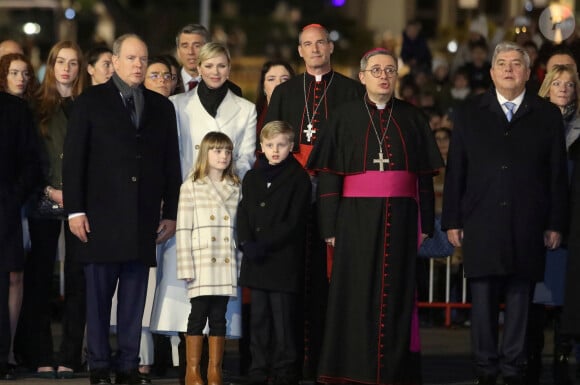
x=260, y=29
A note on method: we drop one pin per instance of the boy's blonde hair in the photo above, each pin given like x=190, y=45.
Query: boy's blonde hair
x=213, y=140
x=277, y=127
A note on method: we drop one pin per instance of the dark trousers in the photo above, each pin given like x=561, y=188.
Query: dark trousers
x=101, y=280
x=486, y=294
x=311, y=320
x=4, y=317
x=34, y=336
x=210, y=309
x=74, y=311
x=273, y=343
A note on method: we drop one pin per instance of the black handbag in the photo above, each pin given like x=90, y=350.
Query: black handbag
x=46, y=208
x=438, y=246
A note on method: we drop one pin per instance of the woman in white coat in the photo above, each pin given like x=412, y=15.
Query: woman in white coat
x=210, y=106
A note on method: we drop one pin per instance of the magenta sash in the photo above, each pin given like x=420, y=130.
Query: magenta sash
x=381, y=184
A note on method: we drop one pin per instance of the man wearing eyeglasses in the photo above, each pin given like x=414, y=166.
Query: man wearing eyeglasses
x=376, y=162
x=307, y=101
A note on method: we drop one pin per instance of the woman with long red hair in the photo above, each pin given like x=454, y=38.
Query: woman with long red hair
x=61, y=85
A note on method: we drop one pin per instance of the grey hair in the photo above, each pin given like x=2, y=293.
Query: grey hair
x=197, y=29
x=121, y=39
x=506, y=46
x=374, y=52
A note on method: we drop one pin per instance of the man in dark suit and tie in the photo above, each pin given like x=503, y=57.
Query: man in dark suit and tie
x=505, y=203
x=121, y=165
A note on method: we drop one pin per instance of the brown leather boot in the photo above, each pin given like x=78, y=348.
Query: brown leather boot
x=193, y=357
x=216, y=354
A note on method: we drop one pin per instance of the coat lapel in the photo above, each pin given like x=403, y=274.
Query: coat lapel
x=224, y=115
x=221, y=197
x=117, y=104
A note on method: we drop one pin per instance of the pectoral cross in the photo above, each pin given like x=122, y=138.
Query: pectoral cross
x=309, y=132
x=381, y=161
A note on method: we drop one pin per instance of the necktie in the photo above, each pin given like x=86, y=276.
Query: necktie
x=130, y=104
x=191, y=84
x=510, y=110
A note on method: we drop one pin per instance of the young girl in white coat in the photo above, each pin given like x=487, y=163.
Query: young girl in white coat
x=206, y=251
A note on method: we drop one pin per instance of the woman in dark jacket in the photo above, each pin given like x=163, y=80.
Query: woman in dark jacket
x=62, y=83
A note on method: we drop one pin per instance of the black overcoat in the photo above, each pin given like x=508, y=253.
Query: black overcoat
x=19, y=173
x=276, y=216
x=119, y=175
x=505, y=184
x=571, y=311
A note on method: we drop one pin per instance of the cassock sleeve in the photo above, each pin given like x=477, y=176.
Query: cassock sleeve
x=429, y=163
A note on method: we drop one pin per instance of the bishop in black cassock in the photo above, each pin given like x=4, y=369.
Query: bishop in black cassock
x=307, y=101
x=376, y=162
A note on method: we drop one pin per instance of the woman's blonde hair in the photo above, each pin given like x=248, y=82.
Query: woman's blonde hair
x=213, y=140
x=554, y=74
x=211, y=50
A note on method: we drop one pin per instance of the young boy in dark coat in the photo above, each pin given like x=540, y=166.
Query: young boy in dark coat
x=271, y=227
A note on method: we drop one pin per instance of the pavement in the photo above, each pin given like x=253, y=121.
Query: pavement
x=446, y=359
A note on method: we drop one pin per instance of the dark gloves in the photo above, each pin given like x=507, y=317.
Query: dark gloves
x=254, y=250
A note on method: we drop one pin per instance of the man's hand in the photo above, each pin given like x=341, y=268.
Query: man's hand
x=552, y=239
x=455, y=237
x=330, y=241
x=423, y=237
x=165, y=230
x=79, y=226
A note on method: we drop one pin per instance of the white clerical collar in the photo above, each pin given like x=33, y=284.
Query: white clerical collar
x=319, y=77
x=517, y=101
x=381, y=106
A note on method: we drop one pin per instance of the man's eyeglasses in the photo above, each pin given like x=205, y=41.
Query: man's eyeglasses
x=157, y=76
x=377, y=71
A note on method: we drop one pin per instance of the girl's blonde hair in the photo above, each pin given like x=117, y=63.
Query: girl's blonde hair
x=555, y=73
x=213, y=140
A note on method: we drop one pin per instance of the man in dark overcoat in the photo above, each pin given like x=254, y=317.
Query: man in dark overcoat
x=121, y=165
x=19, y=172
x=505, y=203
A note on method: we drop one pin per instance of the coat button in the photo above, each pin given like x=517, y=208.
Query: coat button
x=504, y=167
x=226, y=218
x=134, y=179
x=197, y=146
x=226, y=239
x=258, y=229
x=213, y=239
x=61, y=155
x=503, y=204
x=212, y=260
x=507, y=133
x=262, y=204
x=212, y=217
x=227, y=260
